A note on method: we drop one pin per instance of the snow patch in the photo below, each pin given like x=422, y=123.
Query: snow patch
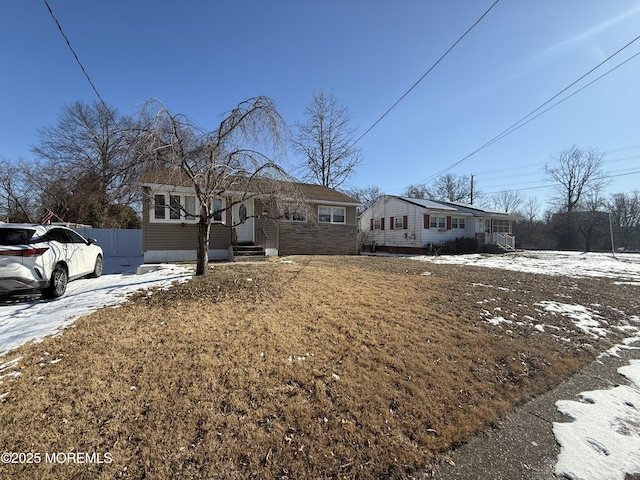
x=623, y=267
x=498, y=320
x=584, y=318
x=603, y=441
x=29, y=317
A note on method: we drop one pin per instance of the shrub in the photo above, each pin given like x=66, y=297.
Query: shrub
x=459, y=245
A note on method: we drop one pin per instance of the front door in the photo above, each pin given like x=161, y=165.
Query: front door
x=242, y=213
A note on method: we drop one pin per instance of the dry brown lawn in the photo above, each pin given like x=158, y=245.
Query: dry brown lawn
x=307, y=367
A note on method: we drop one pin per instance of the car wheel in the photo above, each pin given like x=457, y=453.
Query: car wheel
x=97, y=269
x=58, y=284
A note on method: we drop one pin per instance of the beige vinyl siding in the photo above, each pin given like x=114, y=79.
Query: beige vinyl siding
x=167, y=236
x=178, y=235
x=352, y=216
x=287, y=238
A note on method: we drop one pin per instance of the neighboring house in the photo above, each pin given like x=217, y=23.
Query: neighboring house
x=408, y=225
x=327, y=225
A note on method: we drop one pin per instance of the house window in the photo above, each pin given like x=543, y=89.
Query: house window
x=500, y=226
x=438, y=222
x=331, y=215
x=218, y=206
x=294, y=213
x=324, y=214
x=376, y=224
x=397, y=223
x=189, y=207
x=457, y=223
x=159, y=207
x=175, y=207
x=338, y=215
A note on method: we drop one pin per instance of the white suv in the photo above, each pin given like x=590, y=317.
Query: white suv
x=45, y=257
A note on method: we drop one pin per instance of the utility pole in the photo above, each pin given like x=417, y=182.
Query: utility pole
x=613, y=250
x=472, y=189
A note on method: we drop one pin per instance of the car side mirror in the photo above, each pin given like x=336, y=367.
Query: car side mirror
x=91, y=241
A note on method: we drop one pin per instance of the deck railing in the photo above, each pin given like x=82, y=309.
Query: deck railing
x=504, y=240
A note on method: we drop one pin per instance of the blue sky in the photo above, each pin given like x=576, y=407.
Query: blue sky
x=201, y=58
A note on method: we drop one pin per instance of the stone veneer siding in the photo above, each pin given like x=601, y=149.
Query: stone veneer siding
x=318, y=239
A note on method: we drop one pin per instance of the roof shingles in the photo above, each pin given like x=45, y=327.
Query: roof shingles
x=311, y=192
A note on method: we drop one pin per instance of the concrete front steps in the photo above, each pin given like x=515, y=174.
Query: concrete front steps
x=248, y=252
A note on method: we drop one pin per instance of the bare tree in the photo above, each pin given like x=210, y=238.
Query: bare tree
x=531, y=209
x=447, y=188
x=17, y=200
x=507, y=200
x=578, y=172
x=90, y=152
x=326, y=143
x=452, y=188
x=418, y=190
x=593, y=221
x=534, y=231
x=625, y=213
x=365, y=195
x=238, y=158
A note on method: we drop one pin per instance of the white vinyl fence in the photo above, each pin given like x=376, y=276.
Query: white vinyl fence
x=115, y=242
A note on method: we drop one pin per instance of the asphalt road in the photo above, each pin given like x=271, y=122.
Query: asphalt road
x=524, y=446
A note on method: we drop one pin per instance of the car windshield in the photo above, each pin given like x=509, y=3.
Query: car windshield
x=15, y=236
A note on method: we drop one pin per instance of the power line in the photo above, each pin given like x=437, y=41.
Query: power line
x=427, y=73
x=483, y=173
x=631, y=147
x=75, y=55
x=531, y=166
x=622, y=174
x=513, y=129
x=520, y=123
x=550, y=185
x=610, y=174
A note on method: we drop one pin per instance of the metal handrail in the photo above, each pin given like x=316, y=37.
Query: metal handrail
x=262, y=238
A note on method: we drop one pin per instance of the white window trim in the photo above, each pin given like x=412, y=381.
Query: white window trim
x=398, y=223
x=182, y=219
x=434, y=222
x=331, y=209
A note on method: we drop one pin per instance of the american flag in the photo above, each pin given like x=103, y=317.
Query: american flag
x=46, y=217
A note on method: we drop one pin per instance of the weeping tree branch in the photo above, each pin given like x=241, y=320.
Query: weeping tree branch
x=238, y=160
